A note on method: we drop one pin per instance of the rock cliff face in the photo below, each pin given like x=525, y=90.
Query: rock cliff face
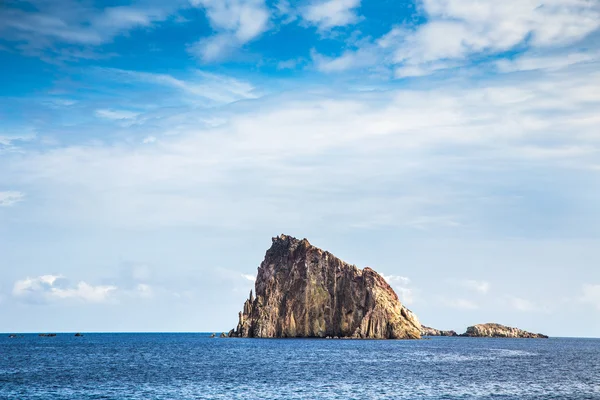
x=427, y=331
x=500, y=331
x=303, y=291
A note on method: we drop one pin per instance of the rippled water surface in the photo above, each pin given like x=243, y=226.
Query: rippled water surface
x=194, y=366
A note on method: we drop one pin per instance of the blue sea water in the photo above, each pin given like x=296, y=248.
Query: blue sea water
x=195, y=366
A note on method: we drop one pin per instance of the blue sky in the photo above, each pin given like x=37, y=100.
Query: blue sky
x=149, y=150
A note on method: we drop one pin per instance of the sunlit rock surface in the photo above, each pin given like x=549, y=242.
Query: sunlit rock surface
x=303, y=291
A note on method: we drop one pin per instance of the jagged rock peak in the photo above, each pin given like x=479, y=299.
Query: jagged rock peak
x=303, y=291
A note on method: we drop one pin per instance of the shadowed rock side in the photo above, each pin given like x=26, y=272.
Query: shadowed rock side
x=500, y=331
x=427, y=331
x=303, y=291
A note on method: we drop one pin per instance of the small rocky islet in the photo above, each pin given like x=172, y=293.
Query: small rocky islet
x=500, y=331
x=427, y=331
x=305, y=292
x=489, y=330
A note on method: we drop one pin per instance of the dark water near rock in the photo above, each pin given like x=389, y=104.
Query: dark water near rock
x=194, y=366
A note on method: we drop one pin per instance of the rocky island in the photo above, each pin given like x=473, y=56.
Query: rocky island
x=500, y=331
x=427, y=331
x=485, y=330
x=303, y=291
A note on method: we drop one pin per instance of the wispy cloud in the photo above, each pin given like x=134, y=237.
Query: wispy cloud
x=591, y=295
x=218, y=89
x=406, y=295
x=11, y=142
x=460, y=304
x=522, y=305
x=68, y=22
x=428, y=222
x=385, y=136
x=10, y=198
x=482, y=287
x=531, y=62
x=289, y=64
x=363, y=57
x=116, y=114
x=401, y=285
x=142, y=290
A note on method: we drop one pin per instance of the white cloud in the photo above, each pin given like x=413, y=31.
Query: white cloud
x=479, y=286
x=424, y=69
x=149, y=140
x=522, y=305
x=401, y=285
x=460, y=304
x=591, y=295
x=251, y=278
x=237, y=22
x=116, y=114
x=285, y=11
x=549, y=62
x=33, y=284
x=429, y=222
x=10, y=198
x=406, y=295
x=396, y=279
x=51, y=287
x=214, y=48
x=457, y=29
x=84, y=291
x=327, y=14
x=144, y=290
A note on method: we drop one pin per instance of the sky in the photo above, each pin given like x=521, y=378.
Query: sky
x=149, y=150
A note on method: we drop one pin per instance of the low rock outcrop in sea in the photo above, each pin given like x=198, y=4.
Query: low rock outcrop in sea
x=303, y=291
x=500, y=331
x=47, y=335
x=427, y=331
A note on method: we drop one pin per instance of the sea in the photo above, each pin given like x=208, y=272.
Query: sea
x=196, y=366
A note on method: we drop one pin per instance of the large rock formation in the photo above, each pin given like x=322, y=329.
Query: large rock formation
x=427, y=331
x=500, y=331
x=303, y=291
